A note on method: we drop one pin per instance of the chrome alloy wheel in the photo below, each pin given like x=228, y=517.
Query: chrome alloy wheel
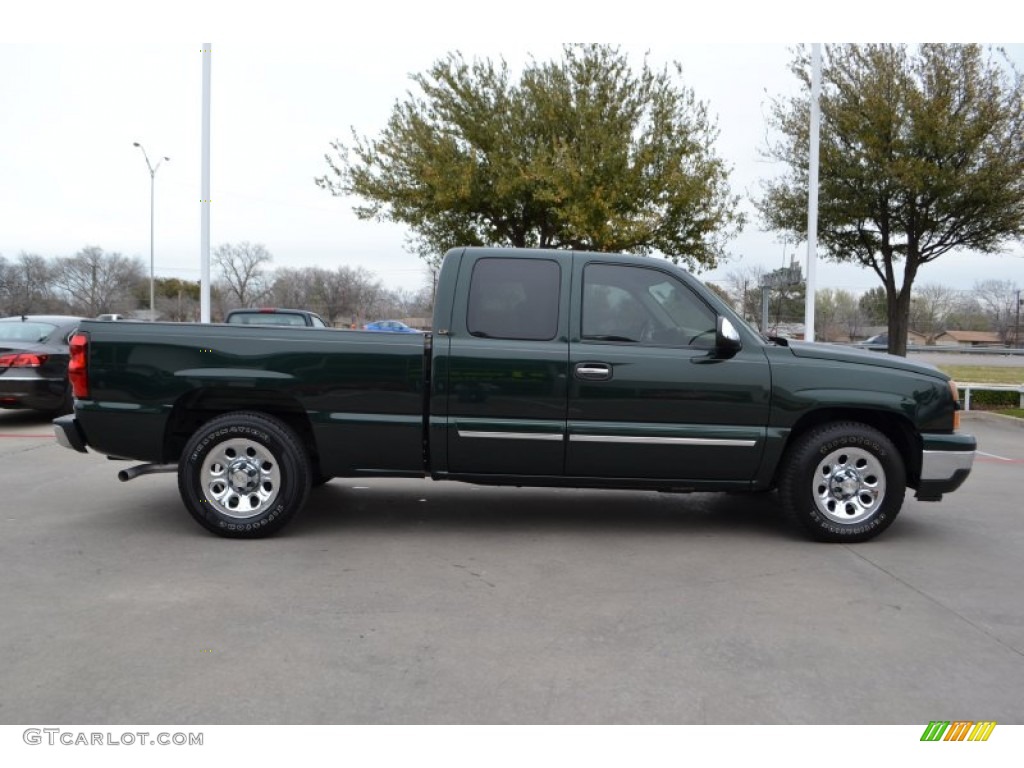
x=849, y=485
x=241, y=478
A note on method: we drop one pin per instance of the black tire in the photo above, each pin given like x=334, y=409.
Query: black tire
x=843, y=482
x=244, y=475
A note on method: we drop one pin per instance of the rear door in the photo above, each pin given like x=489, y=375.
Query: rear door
x=648, y=398
x=507, y=365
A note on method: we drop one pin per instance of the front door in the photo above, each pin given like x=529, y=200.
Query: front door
x=648, y=399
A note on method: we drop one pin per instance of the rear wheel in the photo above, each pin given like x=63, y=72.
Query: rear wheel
x=843, y=482
x=244, y=475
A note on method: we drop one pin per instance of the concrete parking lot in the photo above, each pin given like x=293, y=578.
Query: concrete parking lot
x=420, y=602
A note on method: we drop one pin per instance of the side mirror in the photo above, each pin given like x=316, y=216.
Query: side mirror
x=727, y=338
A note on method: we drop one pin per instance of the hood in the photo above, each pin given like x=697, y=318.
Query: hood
x=862, y=357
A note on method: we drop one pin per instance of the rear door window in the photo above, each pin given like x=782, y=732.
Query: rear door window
x=514, y=299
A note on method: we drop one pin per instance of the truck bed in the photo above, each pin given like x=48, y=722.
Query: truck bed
x=361, y=395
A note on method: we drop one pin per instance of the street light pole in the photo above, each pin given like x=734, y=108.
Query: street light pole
x=1016, y=327
x=152, y=196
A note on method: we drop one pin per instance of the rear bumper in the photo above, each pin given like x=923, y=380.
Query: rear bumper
x=68, y=434
x=31, y=392
x=946, y=462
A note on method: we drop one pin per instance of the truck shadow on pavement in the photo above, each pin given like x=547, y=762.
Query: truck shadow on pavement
x=346, y=504
x=153, y=507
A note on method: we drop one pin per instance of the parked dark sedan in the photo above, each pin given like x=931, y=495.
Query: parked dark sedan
x=34, y=362
x=275, y=316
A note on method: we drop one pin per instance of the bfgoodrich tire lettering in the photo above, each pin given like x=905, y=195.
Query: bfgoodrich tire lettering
x=843, y=482
x=244, y=475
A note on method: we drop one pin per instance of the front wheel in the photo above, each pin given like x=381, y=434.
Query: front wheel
x=244, y=475
x=843, y=482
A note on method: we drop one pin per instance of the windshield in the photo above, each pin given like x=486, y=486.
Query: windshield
x=22, y=331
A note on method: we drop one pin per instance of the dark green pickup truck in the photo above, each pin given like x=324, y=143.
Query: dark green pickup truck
x=544, y=368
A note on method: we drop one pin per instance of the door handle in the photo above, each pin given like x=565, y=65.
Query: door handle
x=593, y=371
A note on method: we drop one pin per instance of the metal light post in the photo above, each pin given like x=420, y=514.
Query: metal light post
x=1016, y=326
x=152, y=188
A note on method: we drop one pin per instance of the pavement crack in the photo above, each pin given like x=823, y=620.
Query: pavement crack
x=748, y=577
x=937, y=602
x=474, y=573
x=26, y=449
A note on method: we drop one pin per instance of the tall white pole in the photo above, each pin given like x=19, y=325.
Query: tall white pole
x=812, y=192
x=152, y=260
x=204, y=254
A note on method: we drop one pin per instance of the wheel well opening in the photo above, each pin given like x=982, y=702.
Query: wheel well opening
x=897, y=428
x=196, y=408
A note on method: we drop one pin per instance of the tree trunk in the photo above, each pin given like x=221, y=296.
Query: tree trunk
x=899, y=320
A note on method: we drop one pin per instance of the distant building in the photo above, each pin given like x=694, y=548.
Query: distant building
x=970, y=339
x=874, y=334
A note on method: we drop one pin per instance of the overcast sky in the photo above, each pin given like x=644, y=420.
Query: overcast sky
x=70, y=111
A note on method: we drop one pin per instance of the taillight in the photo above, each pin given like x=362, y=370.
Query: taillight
x=22, y=360
x=78, y=373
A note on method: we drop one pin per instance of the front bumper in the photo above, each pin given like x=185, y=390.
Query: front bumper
x=68, y=434
x=946, y=461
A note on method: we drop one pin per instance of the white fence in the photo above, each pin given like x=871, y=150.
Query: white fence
x=966, y=388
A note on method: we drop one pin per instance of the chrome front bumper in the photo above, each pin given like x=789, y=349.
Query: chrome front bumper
x=944, y=465
x=944, y=470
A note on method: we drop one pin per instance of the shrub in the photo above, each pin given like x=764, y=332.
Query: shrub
x=986, y=399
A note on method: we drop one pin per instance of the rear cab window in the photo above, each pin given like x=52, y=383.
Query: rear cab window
x=514, y=299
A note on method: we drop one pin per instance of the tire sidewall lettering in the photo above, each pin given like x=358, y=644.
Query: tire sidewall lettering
x=851, y=442
x=232, y=431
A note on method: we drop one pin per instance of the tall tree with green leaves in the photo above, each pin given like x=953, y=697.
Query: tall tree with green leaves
x=582, y=153
x=922, y=153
